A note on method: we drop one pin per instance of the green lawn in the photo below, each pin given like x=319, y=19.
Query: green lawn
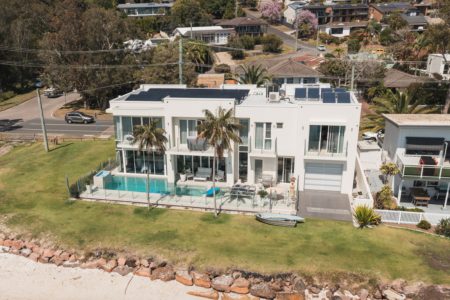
x=33, y=194
x=16, y=100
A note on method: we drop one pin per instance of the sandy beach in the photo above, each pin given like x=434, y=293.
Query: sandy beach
x=21, y=278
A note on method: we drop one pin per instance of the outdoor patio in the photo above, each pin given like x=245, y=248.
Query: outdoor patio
x=226, y=201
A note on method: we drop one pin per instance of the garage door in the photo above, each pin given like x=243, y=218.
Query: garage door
x=323, y=176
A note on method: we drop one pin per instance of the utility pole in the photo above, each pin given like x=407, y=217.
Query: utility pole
x=191, y=30
x=180, y=60
x=296, y=30
x=41, y=112
x=236, y=8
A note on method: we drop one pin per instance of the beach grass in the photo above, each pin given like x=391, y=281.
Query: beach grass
x=33, y=196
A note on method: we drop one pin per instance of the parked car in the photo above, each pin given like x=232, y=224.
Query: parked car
x=52, y=93
x=78, y=117
x=373, y=136
x=321, y=48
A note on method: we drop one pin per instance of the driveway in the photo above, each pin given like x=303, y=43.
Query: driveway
x=324, y=205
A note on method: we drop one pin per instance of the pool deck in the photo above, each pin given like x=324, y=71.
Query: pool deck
x=225, y=203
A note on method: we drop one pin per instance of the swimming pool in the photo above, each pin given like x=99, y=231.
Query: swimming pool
x=157, y=186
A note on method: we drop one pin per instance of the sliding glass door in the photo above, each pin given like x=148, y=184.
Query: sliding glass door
x=325, y=139
x=263, y=136
x=285, y=169
x=188, y=129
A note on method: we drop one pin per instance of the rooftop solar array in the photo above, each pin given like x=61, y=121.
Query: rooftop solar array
x=327, y=95
x=158, y=94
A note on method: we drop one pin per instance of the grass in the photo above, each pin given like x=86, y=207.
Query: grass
x=33, y=194
x=16, y=100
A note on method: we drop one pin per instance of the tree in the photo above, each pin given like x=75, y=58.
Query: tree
x=271, y=11
x=394, y=103
x=149, y=138
x=198, y=53
x=387, y=37
x=220, y=131
x=388, y=170
x=395, y=21
x=187, y=12
x=353, y=46
x=271, y=43
x=306, y=23
x=372, y=31
x=339, y=52
x=253, y=75
x=236, y=44
x=438, y=37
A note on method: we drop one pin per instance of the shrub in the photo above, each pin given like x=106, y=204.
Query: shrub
x=412, y=209
x=222, y=68
x=236, y=43
x=271, y=43
x=424, y=224
x=329, y=55
x=6, y=95
x=384, y=198
x=257, y=40
x=263, y=194
x=443, y=228
x=366, y=216
x=247, y=42
x=328, y=39
x=353, y=46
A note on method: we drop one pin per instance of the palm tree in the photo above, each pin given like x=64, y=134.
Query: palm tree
x=253, y=75
x=339, y=51
x=149, y=138
x=220, y=131
x=394, y=103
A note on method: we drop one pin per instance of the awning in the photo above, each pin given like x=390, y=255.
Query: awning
x=424, y=143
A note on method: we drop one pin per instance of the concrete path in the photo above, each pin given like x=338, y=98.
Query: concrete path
x=324, y=205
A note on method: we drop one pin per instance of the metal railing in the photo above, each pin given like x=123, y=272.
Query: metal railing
x=325, y=153
x=408, y=217
x=273, y=147
x=423, y=171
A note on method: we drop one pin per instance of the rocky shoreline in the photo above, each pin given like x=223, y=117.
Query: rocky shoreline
x=231, y=284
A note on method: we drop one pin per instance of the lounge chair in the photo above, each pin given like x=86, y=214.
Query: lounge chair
x=202, y=174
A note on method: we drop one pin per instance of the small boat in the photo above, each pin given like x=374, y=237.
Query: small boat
x=279, y=219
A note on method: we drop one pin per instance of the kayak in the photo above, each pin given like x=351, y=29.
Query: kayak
x=279, y=219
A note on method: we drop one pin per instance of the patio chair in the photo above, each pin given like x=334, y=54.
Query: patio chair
x=189, y=174
x=267, y=180
x=202, y=174
x=220, y=176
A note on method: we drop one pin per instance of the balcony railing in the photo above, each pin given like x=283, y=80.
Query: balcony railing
x=423, y=171
x=273, y=150
x=326, y=153
x=197, y=144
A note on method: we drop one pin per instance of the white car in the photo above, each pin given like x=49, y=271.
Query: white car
x=321, y=48
x=373, y=136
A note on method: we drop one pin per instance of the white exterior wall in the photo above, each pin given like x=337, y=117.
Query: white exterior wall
x=289, y=141
x=345, y=32
x=436, y=63
x=289, y=15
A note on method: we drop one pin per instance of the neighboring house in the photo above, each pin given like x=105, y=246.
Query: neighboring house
x=427, y=8
x=212, y=35
x=378, y=11
x=418, y=144
x=287, y=70
x=210, y=80
x=438, y=64
x=245, y=26
x=342, y=29
x=311, y=61
x=416, y=21
x=329, y=13
x=306, y=133
x=396, y=79
x=145, y=9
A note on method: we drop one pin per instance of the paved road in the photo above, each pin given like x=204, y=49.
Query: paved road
x=25, y=119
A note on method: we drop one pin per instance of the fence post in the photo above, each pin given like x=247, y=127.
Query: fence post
x=420, y=217
x=399, y=217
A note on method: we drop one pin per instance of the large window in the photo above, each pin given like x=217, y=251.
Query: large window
x=141, y=162
x=128, y=123
x=117, y=128
x=190, y=163
x=285, y=169
x=325, y=139
x=188, y=129
x=263, y=136
x=243, y=131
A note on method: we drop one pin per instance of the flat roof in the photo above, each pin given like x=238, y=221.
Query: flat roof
x=368, y=146
x=185, y=30
x=158, y=94
x=419, y=119
x=144, y=5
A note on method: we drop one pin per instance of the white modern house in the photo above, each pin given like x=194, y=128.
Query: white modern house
x=212, y=35
x=306, y=132
x=439, y=64
x=342, y=29
x=145, y=9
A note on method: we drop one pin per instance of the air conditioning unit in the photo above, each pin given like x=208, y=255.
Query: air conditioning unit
x=274, y=97
x=128, y=138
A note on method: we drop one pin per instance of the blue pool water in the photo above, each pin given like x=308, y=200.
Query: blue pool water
x=157, y=186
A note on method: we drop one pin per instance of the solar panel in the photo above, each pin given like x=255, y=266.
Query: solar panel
x=325, y=90
x=300, y=93
x=313, y=93
x=343, y=97
x=328, y=97
x=340, y=90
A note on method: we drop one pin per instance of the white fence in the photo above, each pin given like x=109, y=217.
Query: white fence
x=408, y=217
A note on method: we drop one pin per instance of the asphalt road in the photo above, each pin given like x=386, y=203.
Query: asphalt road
x=24, y=119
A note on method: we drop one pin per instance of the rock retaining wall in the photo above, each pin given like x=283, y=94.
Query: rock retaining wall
x=232, y=284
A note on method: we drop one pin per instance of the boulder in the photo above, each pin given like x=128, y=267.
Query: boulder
x=34, y=256
x=57, y=260
x=65, y=256
x=393, y=295
x=207, y=294
x=73, y=258
x=90, y=264
x=2, y=242
x=43, y=259
x=4, y=249
x=29, y=245
x=14, y=251
x=71, y=264
x=49, y=253
x=240, y=286
x=58, y=252
x=222, y=283
x=262, y=290
x=183, y=277
x=233, y=296
x=123, y=270
x=25, y=252
x=413, y=289
x=201, y=280
x=289, y=296
x=299, y=285
x=434, y=292
x=144, y=262
x=101, y=262
x=110, y=265
x=143, y=271
x=363, y=294
x=398, y=284
x=17, y=244
x=163, y=273
x=131, y=262
x=121, y=261
x=7, y=243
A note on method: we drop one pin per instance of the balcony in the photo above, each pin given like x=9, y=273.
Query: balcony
x=325, y=153
x=413, y=167
x=265, y=152
x=197, y=144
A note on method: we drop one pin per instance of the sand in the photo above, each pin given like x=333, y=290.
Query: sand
x=21, y=278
